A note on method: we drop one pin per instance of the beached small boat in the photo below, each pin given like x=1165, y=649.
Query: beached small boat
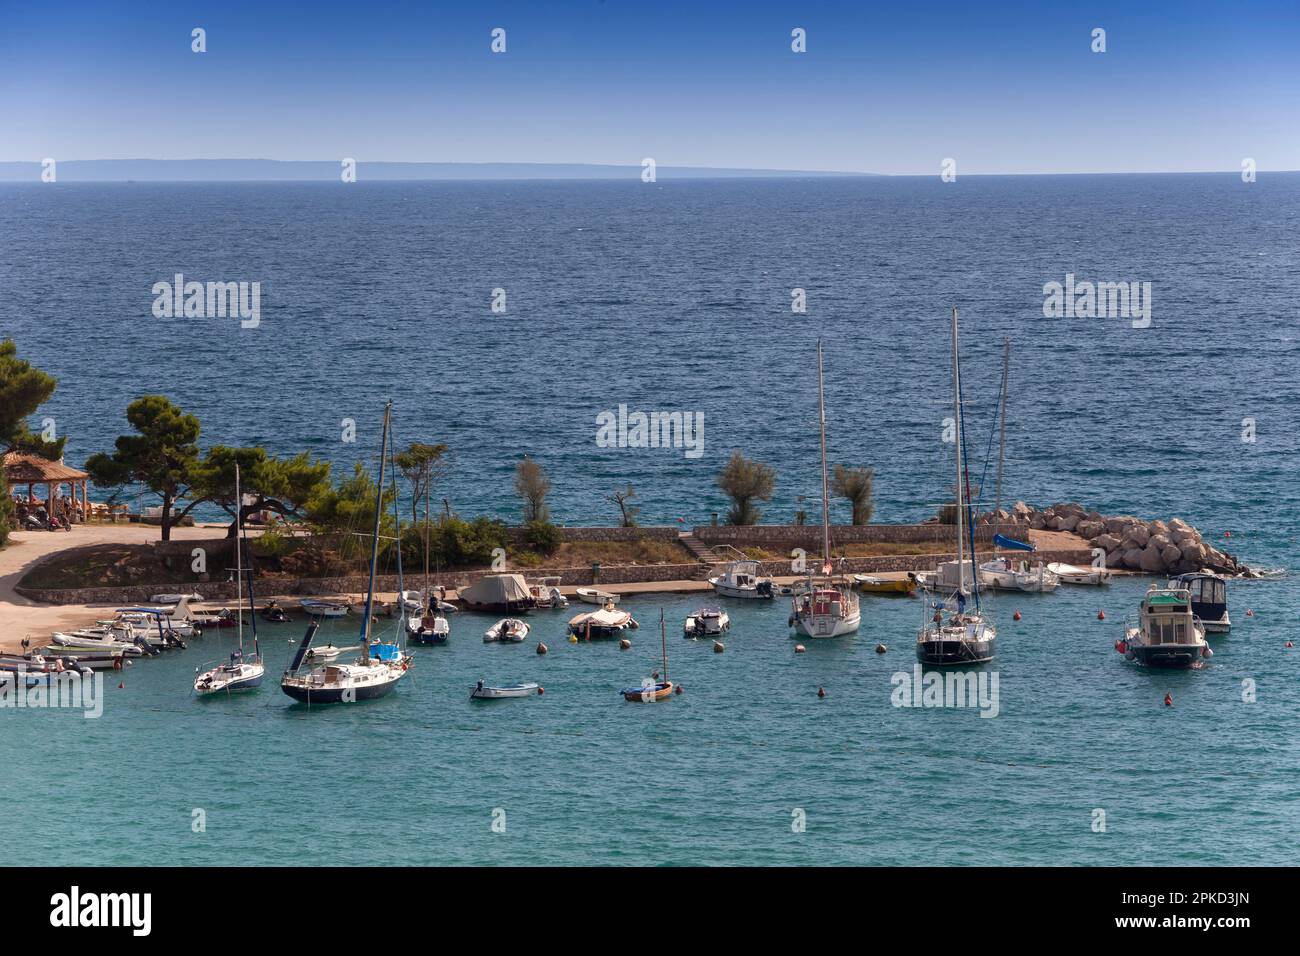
x=77, y=644
x=38, y=664
x=596, y=596
x=1167, y=634
x=657, y=687
x=213, y=619
x=324, y=608
x=176, y=598
x=275, y=614
x=483, y=692
x=609, y=621
x=1073, y=574
x=706, y=622
x=1209, y=599
x=868, y=584
x=508, y=630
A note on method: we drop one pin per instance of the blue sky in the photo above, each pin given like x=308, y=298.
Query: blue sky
x=890, y=88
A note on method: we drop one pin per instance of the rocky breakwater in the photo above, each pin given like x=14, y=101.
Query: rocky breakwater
x=1131, y=543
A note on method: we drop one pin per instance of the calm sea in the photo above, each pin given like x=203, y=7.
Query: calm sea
x=677, y=297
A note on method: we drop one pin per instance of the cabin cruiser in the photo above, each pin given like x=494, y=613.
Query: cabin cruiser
x=1168, y=633
x=1209, y=599
x=546, y=593
x=706, y=622
x=740, y=579
x=430, y=628
x=1003, y=574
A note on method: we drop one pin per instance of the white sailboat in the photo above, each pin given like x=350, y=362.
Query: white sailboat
x=381, y=664
x=957, y=634
x=830, y=607
x=240, y=672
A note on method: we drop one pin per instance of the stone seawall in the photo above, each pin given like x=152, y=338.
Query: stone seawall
x=217, y=592
x=779, y=537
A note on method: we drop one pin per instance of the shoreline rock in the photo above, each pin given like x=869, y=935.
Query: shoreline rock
x=1130, y=543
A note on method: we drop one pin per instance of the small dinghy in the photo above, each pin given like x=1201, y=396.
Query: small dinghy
x=482, y=692
x=596, y=596
x=706, y=622
x=327, y=652
x=609, y=621
x=508, y=630
x=324, y=608
x=1073, y=574
x=275, y=614
x=176, y=598
x=654, y=688
x=869, y=584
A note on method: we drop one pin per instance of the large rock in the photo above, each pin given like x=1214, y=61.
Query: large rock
x=1193, y=553
x=1140, y=535
x=1150, y=559
x=1133, y=558
x=1171, y=555
x=1037, y=522
x=1178, y=524
x=1158, y=527
x=1107, y=541
x=1070, y=522
x=1160, y=541
x=1115, y=559
x=1183, y=538
x=1091, y=529
x=1021, y=511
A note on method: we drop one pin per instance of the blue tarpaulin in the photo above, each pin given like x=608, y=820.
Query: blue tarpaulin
x=1012, y=543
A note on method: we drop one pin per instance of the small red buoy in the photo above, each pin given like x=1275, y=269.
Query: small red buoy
x=881, y=648
x=542, y=648
x=677, y=689
x=1121, y=646
x=1169, y=700
x=1016, y=616
x=1249, y=613
x=1289, y=644
x=540, y=690
x=821, y=691
x=624, y=644
x=718, y=647
x=1101, y=615
x=121, y=686
x=1227, y=534
x=799, y=648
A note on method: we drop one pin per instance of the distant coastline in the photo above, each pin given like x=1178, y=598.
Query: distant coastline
x=274, y=170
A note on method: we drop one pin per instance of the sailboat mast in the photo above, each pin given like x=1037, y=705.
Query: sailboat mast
x=1002, y=432
x=239, y=561
x=961, y=503
x=374, y=538
x=663, y=639
x=826, y=503
x=426, y=543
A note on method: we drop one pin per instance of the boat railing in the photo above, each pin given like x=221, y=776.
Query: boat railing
x=729, y=554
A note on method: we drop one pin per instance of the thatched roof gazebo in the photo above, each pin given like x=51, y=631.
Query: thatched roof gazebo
x=32, y=470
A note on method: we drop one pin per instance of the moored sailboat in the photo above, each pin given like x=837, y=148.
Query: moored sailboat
x=957, y=634
x=830, y=607
x=656, y=687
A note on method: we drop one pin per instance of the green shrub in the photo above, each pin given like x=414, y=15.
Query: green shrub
x=542, y=537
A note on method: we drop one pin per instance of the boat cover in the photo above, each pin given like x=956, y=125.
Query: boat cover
x=497, y=589
x=1002, y=541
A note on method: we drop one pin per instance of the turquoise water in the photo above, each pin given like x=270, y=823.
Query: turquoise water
x=677, y=298
x=713, y=776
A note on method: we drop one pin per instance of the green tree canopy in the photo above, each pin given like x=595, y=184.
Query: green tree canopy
x=423, y=466
x=855, y=484
x=162, y=455
x=23, y=389
x=746, y=482
x=281, y=485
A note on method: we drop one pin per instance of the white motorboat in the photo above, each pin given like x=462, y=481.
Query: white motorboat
x=412, y=602
x=546, y=593
x=508, y=630
x=428, y=629
x=706, y=622
x=74, y=644
x=1209, y=599
x=327, y=652
x=1002, y=574
x=1168, y=633
x=483, y=692
x=596, y=596
x=144, y=620
x=740, y=579
x=176, y=598
x=1073, y=574
x=324, y=608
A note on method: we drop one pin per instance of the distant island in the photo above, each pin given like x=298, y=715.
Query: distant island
x=262, y=170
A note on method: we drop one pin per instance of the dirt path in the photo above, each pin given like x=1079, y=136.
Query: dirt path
x=20, y=617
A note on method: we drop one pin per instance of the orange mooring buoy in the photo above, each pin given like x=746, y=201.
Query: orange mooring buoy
x=1016, y=616
x=821, y=691
x=540, y=690
x=1289, y=644
x=799, y=648
x=1101, y=615
x=121, y=686
x=718, y=647
x=881, y=648
x=542, y=648
x=624, y=644
x=1227, y=534
x=1169, y=700
x=1249, y=613
x=677, y=689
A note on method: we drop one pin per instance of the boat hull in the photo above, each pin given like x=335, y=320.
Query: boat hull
x=649, y=695
x=945, y=652
x=338, y=695
x=747, y=593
